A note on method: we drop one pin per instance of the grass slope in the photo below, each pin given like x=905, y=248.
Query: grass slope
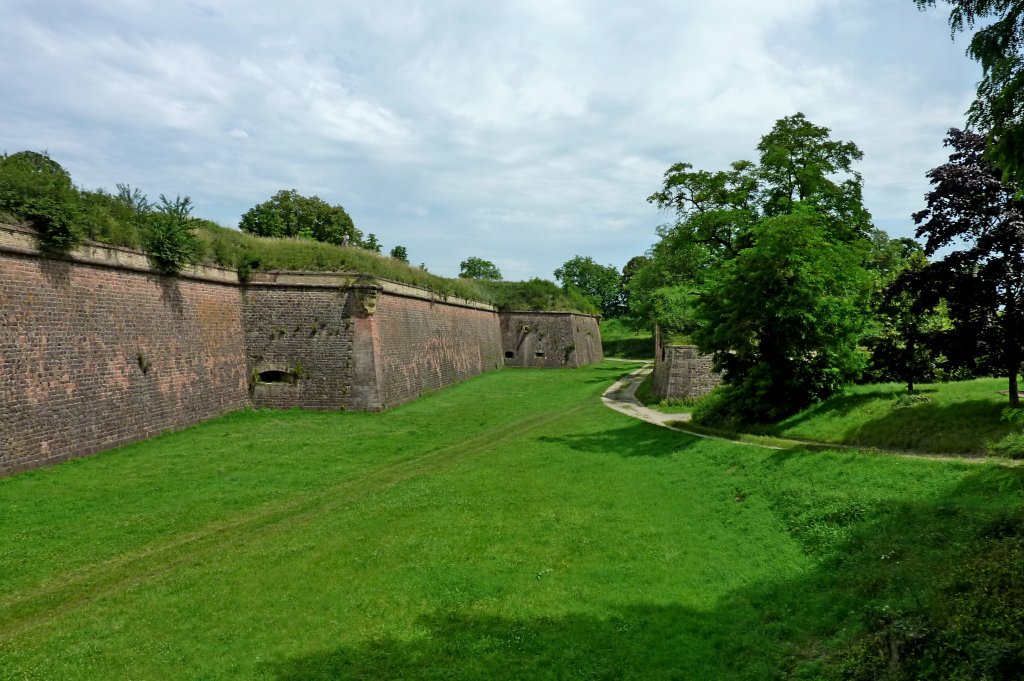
x=960, y=417
x=618, y=339
x=509, y=527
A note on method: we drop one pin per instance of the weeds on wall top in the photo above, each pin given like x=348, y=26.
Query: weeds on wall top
x=36, y=189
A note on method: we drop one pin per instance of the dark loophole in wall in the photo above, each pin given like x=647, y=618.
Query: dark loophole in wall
x=275, y=376
x=509, y=354
x=538, y=354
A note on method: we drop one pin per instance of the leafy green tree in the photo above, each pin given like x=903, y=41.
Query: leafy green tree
x=36, y=188
x=911, y=321
x=705, y=274
x=289, y=214
x=478, y=268
x=370, y=243
x=975, y=213
x=600, y=284
x=170, y=241
x=399, y=253
x=784, y=317
x=997, y=46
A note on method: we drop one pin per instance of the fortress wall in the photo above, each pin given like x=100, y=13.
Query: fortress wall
x=550, y=339
x=299, y=342
x=97, y=351
x=426, y=344
x=680, y=371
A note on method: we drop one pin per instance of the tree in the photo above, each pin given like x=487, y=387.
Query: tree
x=399, y=253
x=36, y=188
x=1000, y=95
x=170, y=242
x=911, y=320
x=971, y=209
x=784, y=317
x=371, y=243
x=600, y=284
x=478, y=268
x=784, y=333
x=289, y=214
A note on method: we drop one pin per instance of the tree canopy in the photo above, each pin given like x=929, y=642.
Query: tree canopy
x=600, y=284
x=290, y=214
x=764, y=268
x=478, y=268
x=997, y=46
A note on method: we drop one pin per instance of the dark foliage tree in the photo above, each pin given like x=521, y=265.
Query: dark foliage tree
x=600, y=284
x=911, y=323
x=478, y=268
x=997, y=46
x=289, y=214
x=973, y=211
x=399, y=253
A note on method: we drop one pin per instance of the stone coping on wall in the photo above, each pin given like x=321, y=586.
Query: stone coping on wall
x=359, y=280
x=554, y=312
x=24, y=241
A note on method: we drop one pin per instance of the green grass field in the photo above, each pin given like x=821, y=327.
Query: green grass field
x=509, y=527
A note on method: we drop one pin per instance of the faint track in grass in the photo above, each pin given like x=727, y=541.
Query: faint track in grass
x=43, y=603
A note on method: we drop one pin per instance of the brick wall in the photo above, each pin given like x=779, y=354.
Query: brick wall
x=96, y=355
x=425, y=345
x=97, y=350
x=550, y=339
x=298, y=345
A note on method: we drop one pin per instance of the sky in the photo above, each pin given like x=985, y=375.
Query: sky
x=524, y=132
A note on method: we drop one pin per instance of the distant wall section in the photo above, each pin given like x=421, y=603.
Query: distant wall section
x=426, y=343
x=550, y=339
x=681, y=371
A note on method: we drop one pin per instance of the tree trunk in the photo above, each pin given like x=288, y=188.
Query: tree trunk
x=1014, y=397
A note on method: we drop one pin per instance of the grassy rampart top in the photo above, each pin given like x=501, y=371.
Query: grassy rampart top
x=246, y=253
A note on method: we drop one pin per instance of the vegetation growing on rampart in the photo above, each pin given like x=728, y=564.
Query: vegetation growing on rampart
x=287, y=232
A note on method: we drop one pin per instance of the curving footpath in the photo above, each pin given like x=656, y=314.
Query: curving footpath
x=621, y=397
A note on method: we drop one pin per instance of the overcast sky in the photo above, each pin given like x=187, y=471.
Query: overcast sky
x=524, y=131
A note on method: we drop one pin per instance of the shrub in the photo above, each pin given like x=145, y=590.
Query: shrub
x=36, y=188
x=170, y=241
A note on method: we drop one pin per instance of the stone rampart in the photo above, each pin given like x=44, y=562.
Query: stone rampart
x=98, y=351
x=550, y=339
x=425, y=345
x=681, y=371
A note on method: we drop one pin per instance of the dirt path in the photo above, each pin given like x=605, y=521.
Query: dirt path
x=622, y=398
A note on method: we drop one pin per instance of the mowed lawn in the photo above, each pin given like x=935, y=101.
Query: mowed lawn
x=509, y=527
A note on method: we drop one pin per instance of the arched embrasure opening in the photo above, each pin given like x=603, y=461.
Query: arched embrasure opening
x=275, y=376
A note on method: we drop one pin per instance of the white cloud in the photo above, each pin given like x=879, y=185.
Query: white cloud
x=524, y=132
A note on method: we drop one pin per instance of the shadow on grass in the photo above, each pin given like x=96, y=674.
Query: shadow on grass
x=837, y=406
x=961, y=428
x=924, y=590
x=637, y=439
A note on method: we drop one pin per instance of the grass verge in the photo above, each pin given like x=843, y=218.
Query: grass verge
x=961, y=418
x=529, y=532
